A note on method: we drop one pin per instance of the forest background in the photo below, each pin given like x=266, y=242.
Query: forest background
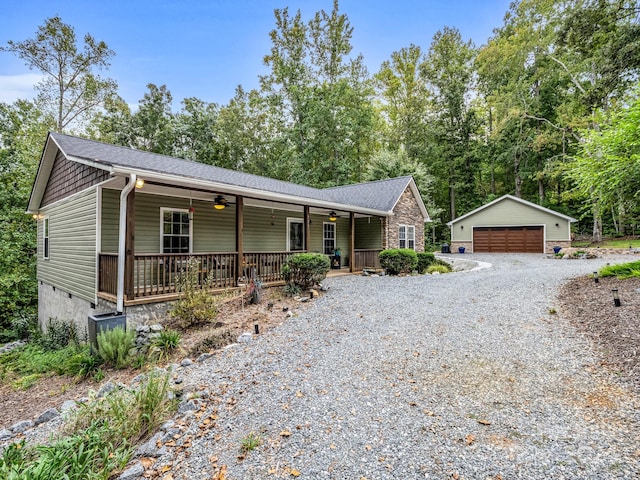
x=547, y=110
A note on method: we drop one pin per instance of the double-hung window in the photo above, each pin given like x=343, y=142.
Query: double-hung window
x=175, y=231
x=329, y=237
x=407, y=236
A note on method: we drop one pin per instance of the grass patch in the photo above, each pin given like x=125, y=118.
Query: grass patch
x=250, y=442
x=622, y=270
x=34, y=360
x=613, y=243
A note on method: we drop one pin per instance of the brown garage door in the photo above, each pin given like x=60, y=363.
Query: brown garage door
x=524, y=239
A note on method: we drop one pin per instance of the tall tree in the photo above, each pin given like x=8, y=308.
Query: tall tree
x=448, y=69
x=22, y=130
x=405, y=101
x=71, y=90
x=321, y=98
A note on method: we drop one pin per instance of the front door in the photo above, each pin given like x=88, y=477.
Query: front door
x=295, y=238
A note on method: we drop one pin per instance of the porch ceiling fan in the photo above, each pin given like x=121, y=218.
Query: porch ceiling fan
x=220, y=202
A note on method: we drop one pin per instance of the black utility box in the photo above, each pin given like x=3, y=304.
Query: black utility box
x=104, y=321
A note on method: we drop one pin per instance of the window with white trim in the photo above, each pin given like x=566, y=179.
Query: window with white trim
x=407, y=236
x=45, y=238
x=175, y=231
x=329, y=237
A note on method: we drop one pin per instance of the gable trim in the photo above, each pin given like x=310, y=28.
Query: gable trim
x=519, y=200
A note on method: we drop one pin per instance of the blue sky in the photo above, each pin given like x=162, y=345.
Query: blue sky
x=206, y=48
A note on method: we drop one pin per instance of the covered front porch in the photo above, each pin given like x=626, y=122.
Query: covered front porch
x=157, y=277
x=169, y=229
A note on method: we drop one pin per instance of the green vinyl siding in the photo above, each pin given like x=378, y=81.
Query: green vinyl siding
x=213, y=230
x=511, y=213
x=265, y=231
x=71, y=266
x=368, y=233
x=109, y=221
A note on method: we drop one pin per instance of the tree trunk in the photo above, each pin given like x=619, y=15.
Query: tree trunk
x=516, y=174
x=596, y=237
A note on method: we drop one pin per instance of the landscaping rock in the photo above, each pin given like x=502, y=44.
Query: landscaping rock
x=187, y=406
x=21, y=426
x=150, y=447
x=68, y=405
x=7, y=347
x=156, y=328
x=106, y=389
x=5, y=434
x=203, y=357
x=133, y=472
x=246, y=337
x=47, y=416
x=186, y=362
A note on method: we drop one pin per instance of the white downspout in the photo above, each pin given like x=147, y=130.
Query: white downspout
x=122, y=241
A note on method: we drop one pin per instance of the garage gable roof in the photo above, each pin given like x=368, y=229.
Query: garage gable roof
x=516, y=199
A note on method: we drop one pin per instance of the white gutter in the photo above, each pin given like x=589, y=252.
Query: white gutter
x=122, y=240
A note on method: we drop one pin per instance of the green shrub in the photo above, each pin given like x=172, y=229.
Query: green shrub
x=165, y=344
x=623, y=270
x=424, y=260
x=57, y=335
x=114, y=346
x=101, y=435
x=34, y=359
x=304, y=270
x=132, y=414
x=440, y=266
x=196, y=306
x=83, y=455
x=398, y=260
x=438, y=269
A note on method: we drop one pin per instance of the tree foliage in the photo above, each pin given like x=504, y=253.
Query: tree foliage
x=71, y=89
x=22, y=128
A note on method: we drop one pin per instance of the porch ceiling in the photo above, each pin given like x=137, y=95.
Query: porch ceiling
x=185, y=190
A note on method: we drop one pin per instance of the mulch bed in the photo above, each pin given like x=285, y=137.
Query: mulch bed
x=615, y=331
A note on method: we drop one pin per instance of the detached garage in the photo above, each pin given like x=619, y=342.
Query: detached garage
x=511, y=225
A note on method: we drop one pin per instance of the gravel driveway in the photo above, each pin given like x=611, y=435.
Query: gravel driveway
x=468, y=375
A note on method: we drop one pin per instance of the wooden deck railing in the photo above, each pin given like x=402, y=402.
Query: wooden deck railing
x=108, y=273
x=266, y=266
x=160, y=274
x=369, y=258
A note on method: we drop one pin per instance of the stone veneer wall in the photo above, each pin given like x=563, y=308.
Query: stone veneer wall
x=552, y=243
x=468, y=246
x=406, y=212
x=56, y=304
x=548, y=247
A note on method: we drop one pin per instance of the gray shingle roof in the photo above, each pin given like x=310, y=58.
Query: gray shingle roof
x=104, y=153
x=380, y=195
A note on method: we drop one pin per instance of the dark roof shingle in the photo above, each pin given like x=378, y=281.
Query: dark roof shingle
x=379, y=195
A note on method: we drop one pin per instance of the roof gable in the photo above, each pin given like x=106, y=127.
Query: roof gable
x=515, y=199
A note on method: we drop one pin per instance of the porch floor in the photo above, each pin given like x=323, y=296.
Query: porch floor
x=339, y=272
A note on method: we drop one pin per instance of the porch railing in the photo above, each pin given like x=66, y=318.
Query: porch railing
x=160, y=274
x=266, y=266
x=366, y=258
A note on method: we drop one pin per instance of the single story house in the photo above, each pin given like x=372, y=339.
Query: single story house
x=116, y=227
x=510, y=224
